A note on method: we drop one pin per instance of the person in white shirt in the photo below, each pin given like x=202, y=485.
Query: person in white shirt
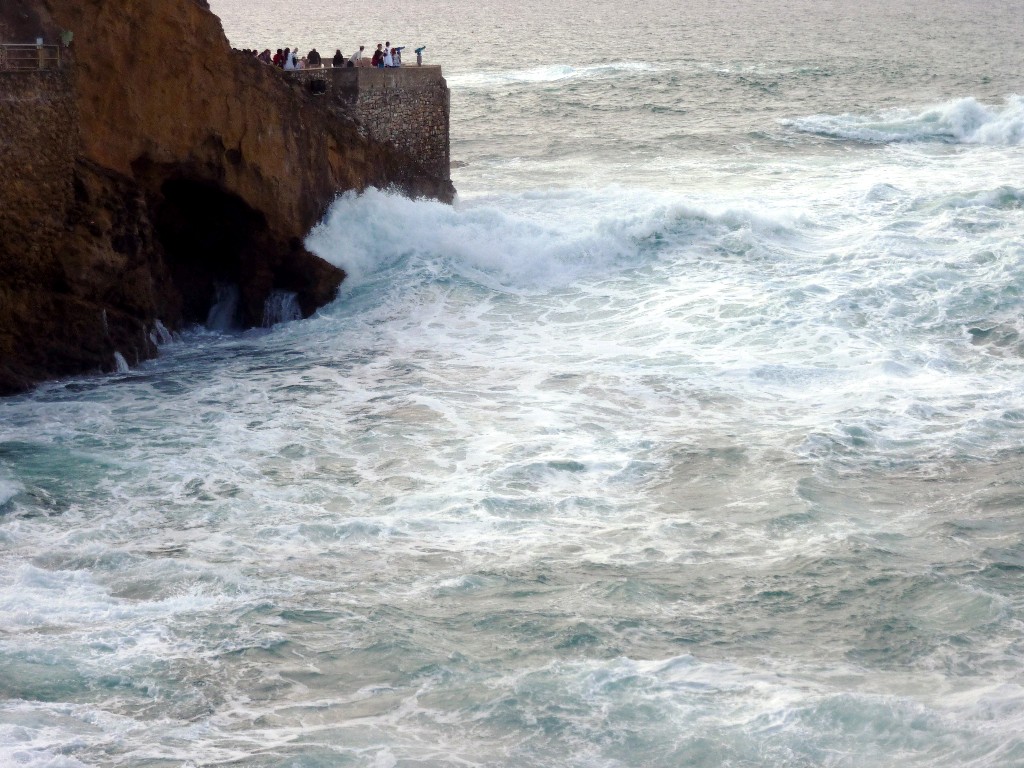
x=357, y=57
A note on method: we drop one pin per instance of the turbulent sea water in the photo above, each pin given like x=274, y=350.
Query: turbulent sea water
x=691, y=435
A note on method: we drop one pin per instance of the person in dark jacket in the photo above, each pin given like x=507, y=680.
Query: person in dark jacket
x=339, y=60
x=313, y=59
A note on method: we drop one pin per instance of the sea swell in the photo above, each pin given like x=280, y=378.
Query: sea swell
x=549, y=73
x=963, y=121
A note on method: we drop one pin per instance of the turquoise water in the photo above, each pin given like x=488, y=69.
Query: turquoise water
x=691, y=435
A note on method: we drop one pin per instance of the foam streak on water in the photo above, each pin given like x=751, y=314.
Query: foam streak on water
x=686, y=437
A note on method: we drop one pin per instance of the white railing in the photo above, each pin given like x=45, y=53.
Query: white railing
x=23, y=58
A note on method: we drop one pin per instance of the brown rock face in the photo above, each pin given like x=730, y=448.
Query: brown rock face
x=155, y=165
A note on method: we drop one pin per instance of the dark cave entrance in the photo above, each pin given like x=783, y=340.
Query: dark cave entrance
x=212, y=241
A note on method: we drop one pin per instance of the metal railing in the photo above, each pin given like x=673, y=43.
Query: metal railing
x=24, y=58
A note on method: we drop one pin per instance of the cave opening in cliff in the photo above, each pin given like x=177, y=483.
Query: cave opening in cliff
x=207, y=235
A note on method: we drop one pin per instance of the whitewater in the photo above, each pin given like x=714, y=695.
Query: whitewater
x=692, y=434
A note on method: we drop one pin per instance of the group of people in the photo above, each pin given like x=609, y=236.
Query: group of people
x=386, y=56
x=289, y=59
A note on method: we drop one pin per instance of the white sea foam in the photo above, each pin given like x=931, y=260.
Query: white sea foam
x=549, y=73
x=964, y=121
x=655, y=449
x=1001, y=198
x=8, y=490
x=40, y=597
x=736, y=254
x=31, y=755
x=549, y=244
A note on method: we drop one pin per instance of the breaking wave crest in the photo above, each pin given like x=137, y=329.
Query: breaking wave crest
x=550, y=73
x=8, y=490
x=963, y=121
x=532, y=241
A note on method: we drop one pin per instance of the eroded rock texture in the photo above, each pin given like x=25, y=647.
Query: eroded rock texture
x=155, y=165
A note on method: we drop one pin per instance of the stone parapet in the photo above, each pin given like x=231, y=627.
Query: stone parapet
x=406, y=107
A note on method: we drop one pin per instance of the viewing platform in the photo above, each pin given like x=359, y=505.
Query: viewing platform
x=29, y=57
x=361, y=78
x=407, y=107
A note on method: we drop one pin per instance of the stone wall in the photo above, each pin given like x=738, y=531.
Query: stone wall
x=74, y=262
x=38, y=144
x=406, y=107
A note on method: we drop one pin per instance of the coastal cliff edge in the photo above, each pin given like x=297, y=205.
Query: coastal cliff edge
x=153, y=167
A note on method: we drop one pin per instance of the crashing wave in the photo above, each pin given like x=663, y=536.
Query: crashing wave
x=963, y=121
x=8, y=490
x=498, y=243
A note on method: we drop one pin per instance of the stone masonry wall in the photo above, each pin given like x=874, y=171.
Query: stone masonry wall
x=77, y=270
x=407, y=107
x=38, y=146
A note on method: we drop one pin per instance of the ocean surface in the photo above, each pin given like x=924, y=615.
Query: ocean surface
x=691, y=435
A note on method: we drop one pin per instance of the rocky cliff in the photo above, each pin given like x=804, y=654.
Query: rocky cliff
x=156, y=164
